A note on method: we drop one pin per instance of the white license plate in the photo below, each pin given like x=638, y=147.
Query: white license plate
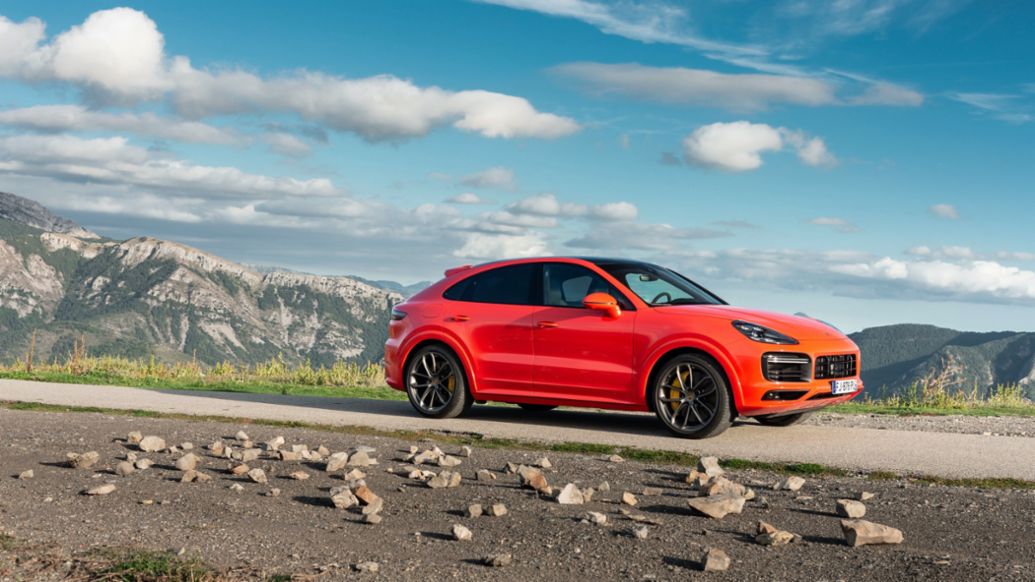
x=843, y=386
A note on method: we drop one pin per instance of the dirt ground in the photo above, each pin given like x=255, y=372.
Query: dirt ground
x=951, y=533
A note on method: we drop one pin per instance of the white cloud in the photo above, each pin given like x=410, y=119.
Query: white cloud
x=838, y=224
x=640, y=236
x=142, y=205
x=466, y=198
x=115, y=161
x=1002, y=106
x=286, y=144
x=650, y=22
x=496, y=177
x=615, y=211
x=118, y=56
x=738, y=146
x=884, y=93
x=489, y=246
x=735, y=147
x=62, y=118
x=980, y=278
x=946, y=211
x=739, y=92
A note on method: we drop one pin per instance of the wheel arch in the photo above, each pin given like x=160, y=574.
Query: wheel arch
x=449, y=343
x=664, y=354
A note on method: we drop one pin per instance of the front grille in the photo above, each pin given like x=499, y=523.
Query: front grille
x=784, y=394
x=783, y=367
x=842, y=366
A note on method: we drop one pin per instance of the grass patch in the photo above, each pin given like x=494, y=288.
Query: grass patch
x=158, y=566
x=920, y=409
x=661, y=457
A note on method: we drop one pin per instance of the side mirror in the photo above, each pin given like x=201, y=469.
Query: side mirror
x=603, y=302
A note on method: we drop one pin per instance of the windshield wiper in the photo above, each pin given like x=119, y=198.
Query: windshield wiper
x=685, y=301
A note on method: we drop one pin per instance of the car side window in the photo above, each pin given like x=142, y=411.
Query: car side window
x=513, y=285
x=566, y=285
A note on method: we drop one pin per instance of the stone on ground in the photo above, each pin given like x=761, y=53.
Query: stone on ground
x=570, y=495
x=722, y=485
x=248, y=455
x=242, y=436
x=342, y=498
x=445, y=480
x=134, y=437
x=770, y=535
x=372, y=518
x=299, y=475
x=466, y=451
x=486, y=475
x=449, y=461
x=499, y=560
x=474, y=510
x=337, y=462
x=497, y=510
x=143, y=464
x=859, y=532
x=365, y=494
x=717, y=506
x=258, y=476
x=100, y=490
x=866, y=496
x=368, y=567
x=151, y=444
x=543, y=463
x=124, y=468
x=26, y=475
x=850, y=509
x=275, y=443
x=360, y=459
x=792, y=483
x=629, y=498
x=596, y=518
x=188, y=462
x=374, y=506
x=239, y=469
x=710, y=466
x=615, y=459
x=715, y=560
x=461, y=533
x=82, y=461
x=641, y=532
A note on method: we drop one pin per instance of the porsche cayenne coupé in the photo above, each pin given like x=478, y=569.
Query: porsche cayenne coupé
x=611, y=334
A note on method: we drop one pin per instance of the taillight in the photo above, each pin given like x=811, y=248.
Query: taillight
x=398, y=315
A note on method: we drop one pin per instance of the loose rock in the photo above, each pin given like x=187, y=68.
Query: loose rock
x=124, y=468
x=342, y=498
x=850, y=509
x=866, y=496
x=258, y=476
x=474, y=510
x=497, y=510
x=83, y=461
x=101, y=490
x=499, y=560
x=570, y=495
x=859, y=532
x=461, y=533
x=143, y=464
x=615, y=459
x=792, y=483
x=275, y=443
x=242, y=436
x=628, y=498
x=299, y=475
x=710, y=466
x=445, y=479
x=151, y=444
x=337, y=462
x=769, y=535
x=134, y=437
x=485, y=475
x=239, y=469
x=26, y=475
x=368, y=567
x=717, y=506
x=188, y=462
x=641, y=532
x=715, y=560
x=372, y=518
x=596, y=518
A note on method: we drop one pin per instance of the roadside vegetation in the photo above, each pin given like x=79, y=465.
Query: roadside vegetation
x=353, y=380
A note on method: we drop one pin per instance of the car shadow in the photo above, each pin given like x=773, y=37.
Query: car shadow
x=633, y=423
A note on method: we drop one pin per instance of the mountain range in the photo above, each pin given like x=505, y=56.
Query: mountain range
x=143, y=296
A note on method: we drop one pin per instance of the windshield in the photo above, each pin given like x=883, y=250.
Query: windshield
x=658, y=286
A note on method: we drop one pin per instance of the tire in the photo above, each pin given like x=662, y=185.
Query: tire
x=692, y=405
x=782, y=420
x=536, y=408
x=436, y=383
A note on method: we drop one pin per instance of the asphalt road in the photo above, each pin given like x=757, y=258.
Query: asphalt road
x=906, y=452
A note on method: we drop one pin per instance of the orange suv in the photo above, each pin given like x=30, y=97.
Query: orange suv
x=614, y=334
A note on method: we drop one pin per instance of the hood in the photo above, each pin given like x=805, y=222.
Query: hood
x=796, y=326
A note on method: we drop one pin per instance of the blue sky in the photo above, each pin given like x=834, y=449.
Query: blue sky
x=864, y=161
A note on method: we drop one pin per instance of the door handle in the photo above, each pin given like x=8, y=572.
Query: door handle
x=460, y=318
x=547, y=324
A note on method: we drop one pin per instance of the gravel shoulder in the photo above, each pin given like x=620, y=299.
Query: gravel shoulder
x=993, y=426
x=951, y=533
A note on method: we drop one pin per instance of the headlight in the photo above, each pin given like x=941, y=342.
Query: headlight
x=762, y=334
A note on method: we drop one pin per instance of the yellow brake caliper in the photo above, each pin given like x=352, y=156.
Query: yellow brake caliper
x=451, y=383
x=674, y=392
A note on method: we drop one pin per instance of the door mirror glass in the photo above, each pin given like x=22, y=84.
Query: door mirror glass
x=602, y=302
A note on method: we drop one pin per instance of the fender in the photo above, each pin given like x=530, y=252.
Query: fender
x=698, y=342
x=448, y=337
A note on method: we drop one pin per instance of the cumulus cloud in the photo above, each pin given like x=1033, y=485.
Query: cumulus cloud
x=62, y=118
x=549, y=205
x=499, y=246
x=496, y=177
x=118, y=55
x=946, y=211
x=979, y=278
x=615, y=211
x=738, y=146
x=838, y=224
x=115, y=161
x=640, y=236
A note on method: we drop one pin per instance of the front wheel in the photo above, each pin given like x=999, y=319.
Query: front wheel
x=782, y=420
x=691, y=398
x=436, y=384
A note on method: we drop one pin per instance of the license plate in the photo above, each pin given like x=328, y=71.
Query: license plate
x=843, y=386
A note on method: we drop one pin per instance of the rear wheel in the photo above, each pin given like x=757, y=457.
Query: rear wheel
x=691, y=398
x=536, y=407
x=782, y=420
x=436, y=384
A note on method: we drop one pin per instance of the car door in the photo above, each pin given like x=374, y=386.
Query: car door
x=492, y=312
x=582, y=354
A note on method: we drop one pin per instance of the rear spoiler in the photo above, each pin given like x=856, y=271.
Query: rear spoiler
x=455, y=270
